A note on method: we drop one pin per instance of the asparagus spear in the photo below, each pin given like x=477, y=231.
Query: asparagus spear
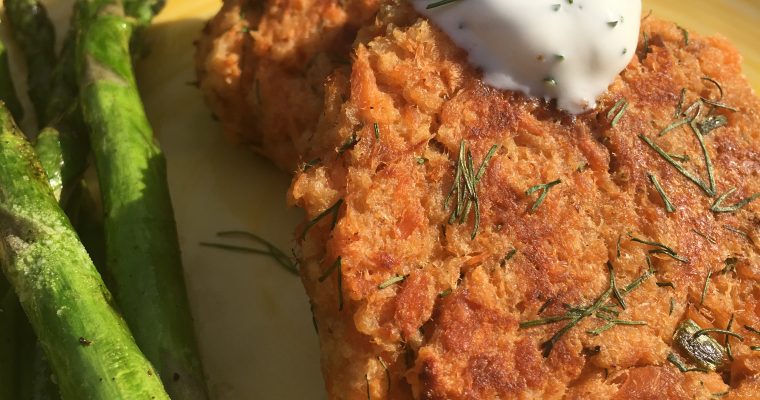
x=143, y=254
x=85, y=340
x=35, y=34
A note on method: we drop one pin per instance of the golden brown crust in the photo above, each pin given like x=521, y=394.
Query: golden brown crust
x=425, y=99
x=262, y=66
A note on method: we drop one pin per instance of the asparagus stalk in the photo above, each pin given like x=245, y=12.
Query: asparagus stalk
x=35, y=34
x=143, y=256
x=87, y=343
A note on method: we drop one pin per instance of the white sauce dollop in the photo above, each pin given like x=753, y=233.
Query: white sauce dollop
x=569, y=50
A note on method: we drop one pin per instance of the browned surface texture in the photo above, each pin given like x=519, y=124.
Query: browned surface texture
x=262, y=66
x=425, y=99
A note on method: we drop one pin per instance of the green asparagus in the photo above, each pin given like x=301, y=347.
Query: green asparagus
x=143, y=255
x=85, y=340
x=35, y=34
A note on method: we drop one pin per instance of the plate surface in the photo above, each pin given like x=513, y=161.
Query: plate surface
x=252, y=318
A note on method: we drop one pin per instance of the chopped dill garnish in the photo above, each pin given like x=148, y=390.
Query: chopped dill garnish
x=668, y=205
x=508, y=256
x=696, y=180
x=719, y=105
x=330, y=270
x=672, y=306
x=620, y=237
x=392, y=281
x=612, y=323
x=466, y=180
x=704, y=289
x=717, y=84
x=659, y=248
x=666, y=284
x=613, y=24
x=271, y=250
x=377, y=131
x=600, y=308
x=685, y=35
x=366, y=378
x=751, y=329
x=310, y=164
x=645, y=47
x=736, y=231
x=445, y=293
x=717, y=330
x=544, y=188
x=420, y=160
x=727, y=342
x=559, y=57
x=349, y=143
x=617, y=111
x=333, y=209
x=718, y=206
x=720, y=394
x=613, y=285
x=387, y=373
x=336, y=266
x=676, y=360
x=439, y=3
x=672, y=126
x=754, y=348
x=709, y=239
x=706, y=155
x=711, y=123
x=544, y=306
x=679, y=106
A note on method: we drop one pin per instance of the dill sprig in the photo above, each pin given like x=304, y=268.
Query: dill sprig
x=377, y=131
x=672, y=306
x=391, y=281
x=695, y=179
x=659, y=249
x=439, y=3
x=544, y=188
x=310, y=164
x=279, y=256
x=613, y=285
x=349, y=143
x=709, y=239
x=704, y=289
x=718, y=206
x=617, y=111
x=673, y=125
x=333, y=209
x=600, y=309
x=685, y=35
x=751, y=329
x=335, y=267
x=668, y=205
x=466, y=180
x=679, y=105
x=678, y=362
x=727, y=342
x=612, y=323
x=736, y=231
x=717, y=330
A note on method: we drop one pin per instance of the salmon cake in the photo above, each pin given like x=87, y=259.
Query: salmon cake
x=262, y=66
x=465, y=242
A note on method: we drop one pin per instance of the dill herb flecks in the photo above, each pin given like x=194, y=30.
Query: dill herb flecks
x=718, y=330
x=617, y=111
x=544, y=188
x=727, y=342
x=668, y=205
x=613, y=285
x=718, y=206
x=464, y=187
x=333, y=209
x=377, y=131
x=751, y=329
x=693, y=178
x=335, y=267
x=704, y=289
x=709, y=239
x=712, y=123
x=659, y=249
x=685, y=35
x=391, y=281
x=272, y=251
x=439, y=3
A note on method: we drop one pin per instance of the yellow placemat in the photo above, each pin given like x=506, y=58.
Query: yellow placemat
x=252, y=318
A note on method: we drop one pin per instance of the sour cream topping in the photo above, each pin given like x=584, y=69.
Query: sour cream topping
x=569, y=50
